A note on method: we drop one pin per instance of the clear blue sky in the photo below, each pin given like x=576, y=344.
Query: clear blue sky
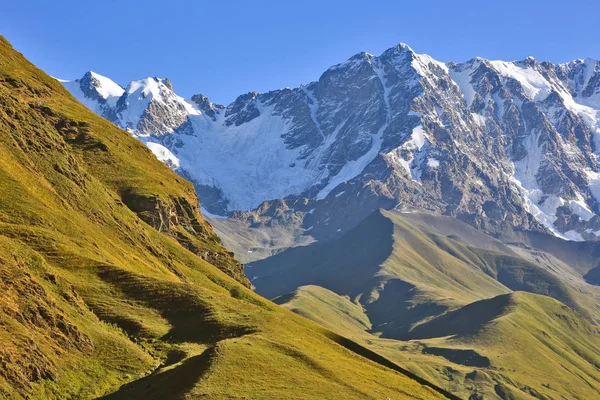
x=226, y=48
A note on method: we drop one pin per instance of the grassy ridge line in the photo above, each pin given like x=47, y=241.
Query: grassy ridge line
x=88, y=146
x=482, y=347
x=500, y=330
x=379, y=359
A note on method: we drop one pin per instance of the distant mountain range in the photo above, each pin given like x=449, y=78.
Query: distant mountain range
x=500, y=145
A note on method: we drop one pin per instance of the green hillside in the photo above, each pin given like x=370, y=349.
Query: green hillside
x=113, y=285
x=512, y=346
x=407, y=268
x=451, y=304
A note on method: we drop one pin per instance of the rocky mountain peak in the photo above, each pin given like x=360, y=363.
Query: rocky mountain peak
x=400, y=52
x=206, y=106
x=529, y=61
x=243, y=109
x=98, y=88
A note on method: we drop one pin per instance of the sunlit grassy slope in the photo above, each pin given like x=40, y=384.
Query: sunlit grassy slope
x=113, y=285
x=512, y=346
x=405, y=269
x=474, y=315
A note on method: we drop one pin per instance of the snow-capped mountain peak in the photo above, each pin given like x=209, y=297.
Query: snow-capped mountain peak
x=149, y=107
x=96, y=91
x=103, y=86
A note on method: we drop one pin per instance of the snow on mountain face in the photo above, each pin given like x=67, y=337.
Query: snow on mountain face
x=97, y=92
x=482, y=140
x=551, y=130
x=150, y=108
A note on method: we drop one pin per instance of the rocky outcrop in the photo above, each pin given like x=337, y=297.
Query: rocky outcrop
x=206, y=106
x=181, y=220
x=40, y=321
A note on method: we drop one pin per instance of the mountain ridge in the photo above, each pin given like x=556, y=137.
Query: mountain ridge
x=501, y=145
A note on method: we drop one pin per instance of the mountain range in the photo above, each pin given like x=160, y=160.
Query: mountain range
x=407, y=204
x=500, y=145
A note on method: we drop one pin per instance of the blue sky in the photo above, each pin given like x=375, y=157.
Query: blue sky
x=223, y=49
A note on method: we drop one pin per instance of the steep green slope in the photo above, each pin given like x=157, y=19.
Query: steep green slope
x=532, y=344
x=326, y=308
x=113, y=284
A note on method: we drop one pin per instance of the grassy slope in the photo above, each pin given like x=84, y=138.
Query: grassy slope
x=535, y=344
x=425, y=256
x=105, y=281
x=431, y=275
x=536, y=347
x=406, y=269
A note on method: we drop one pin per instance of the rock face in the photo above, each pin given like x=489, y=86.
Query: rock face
x=501, y=145
x=178, y=218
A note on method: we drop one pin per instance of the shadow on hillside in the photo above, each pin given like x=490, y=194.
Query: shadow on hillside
x=469, y=358
x=190, y=317
x=394, y=312
x=346, y=265
x=377, y=358
x=174, y=383
x=465, y=321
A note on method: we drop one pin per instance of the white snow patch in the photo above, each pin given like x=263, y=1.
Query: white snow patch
x=573, y=236
x=421, y=63
x=433, y=163
x=526, y=168
x=163, y=154
x=542, y=207
x=479, y=119
x=249, y=163
x=580, y=208
x=107, y=87
x=416, y=157
x=463, y=80
x=418, y=137
x=594, y=183
x=536, y=87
